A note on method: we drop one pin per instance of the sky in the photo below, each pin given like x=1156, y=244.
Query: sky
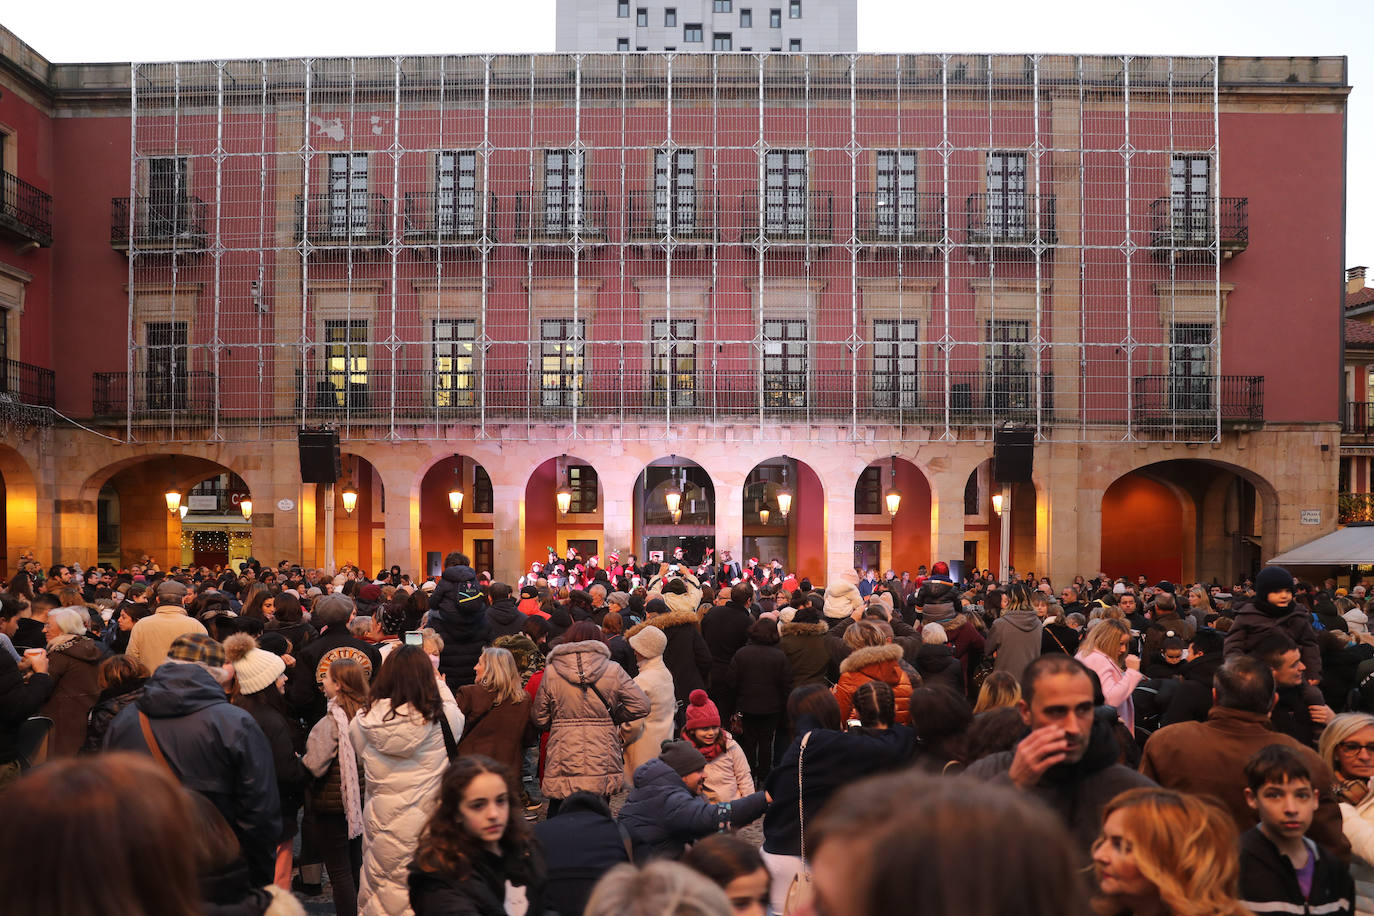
x=143, y=30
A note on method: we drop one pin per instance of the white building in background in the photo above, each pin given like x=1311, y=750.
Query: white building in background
x=812, y=26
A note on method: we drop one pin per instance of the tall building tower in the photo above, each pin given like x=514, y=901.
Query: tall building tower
x=708, y=25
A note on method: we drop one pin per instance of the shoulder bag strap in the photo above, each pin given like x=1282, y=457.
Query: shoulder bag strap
x=1057, y=642
x=449, y=743
x=610, y=710
x=801, y=809
x=147, y=726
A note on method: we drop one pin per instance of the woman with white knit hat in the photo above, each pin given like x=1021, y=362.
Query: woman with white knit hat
x=644, y=736
x=259, y=679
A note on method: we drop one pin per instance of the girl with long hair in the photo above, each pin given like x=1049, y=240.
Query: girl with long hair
x=497, y=711
x=1165, y=853
x=336, y=798
x=1000, y=689
x=401, y=738
x=475, y=854
x=1106, y=651
x=258, y=595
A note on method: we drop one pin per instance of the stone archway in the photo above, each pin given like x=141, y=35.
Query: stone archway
x=799, y=540
x=655, y=529
x=18, y=509
x=882, y=540
x=547, y=526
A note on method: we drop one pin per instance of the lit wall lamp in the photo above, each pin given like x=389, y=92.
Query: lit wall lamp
x=455, y=495
x=173, y=497
x=784, y=494
x=672, y=497
x=563, y=495
x=677, y=516
x=246, y=507
x=350, y=498
x=763, y=515
x=997, y=504
x=893, y=496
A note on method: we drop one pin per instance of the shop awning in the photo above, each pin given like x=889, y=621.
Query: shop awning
x=1351, y=546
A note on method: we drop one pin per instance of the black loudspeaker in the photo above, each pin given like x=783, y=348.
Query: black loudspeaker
x=1013, y=454
x=320, y=461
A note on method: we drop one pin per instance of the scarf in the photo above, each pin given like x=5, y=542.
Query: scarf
x=348, y=773
x=59, y=642
x=709, y=751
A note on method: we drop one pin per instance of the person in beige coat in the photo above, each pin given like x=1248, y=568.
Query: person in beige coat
x=583, y=698
x=152, y=637
x=842, y=598
x=680, y=592
x=645, y=737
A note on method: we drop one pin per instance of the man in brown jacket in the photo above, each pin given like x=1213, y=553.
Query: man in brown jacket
x=152, y=637
x=1208, y=758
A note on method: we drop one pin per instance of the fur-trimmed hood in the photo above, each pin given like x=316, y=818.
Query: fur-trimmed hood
x=803, y=629
x=871, y=655
x=664, y=621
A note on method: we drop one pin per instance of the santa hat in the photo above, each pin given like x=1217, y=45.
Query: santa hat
x=753, y=561
x=592, y=561
x=581, y=569
x=535, y=567
x=613, y=557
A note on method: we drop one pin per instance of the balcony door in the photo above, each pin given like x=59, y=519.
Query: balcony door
x=455, y=185
x=895, y=367
x=1189, y=207
x=896, y=207
x=347, y=194
x=785, y=192
x=1006, y=178
x=784, y=363
x=1009, y=366
x=561, y=342
x=167, y=196
x=165, y=383
x=674, y=362
x=454, y=376
x=345, y=355
x=675, y=203
x=1190, y=366
x=563, y=187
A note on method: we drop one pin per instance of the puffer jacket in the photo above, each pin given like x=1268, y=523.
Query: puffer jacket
x=938, y=601
x=404, y=758
x=1358, y=824
x=938, y=667
x=111, y=703
x=646, y=736
x=662, y=815
x=458, y=613
x=809, y=653
x=688, y=602
x=1015, y=637
x=874, y=663
x=215, y=749
x=687, y=656
x=1253, y=625
x=584, y=750
x=842, y=599
x=74, y=669
x=505, y=618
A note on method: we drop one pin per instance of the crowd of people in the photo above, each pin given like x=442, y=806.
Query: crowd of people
x=593, y=737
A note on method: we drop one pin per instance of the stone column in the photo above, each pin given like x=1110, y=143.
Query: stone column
x=617, y=506
x=508, y=504
x=947, y=515
x=729, y=508
x=839, y=529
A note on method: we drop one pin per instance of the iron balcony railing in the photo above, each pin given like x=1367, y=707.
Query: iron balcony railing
x=1192, y=400
x=456, y=217
x=343, y=218
x=1011, y=220
x=1355, y=421
x=157, y=395
x=1174, y=225
x=544, y=219
x=28, y=384
x=25, y=210
x=691, y=215
x=899, y=217
x=159, y=222
x=787, y=217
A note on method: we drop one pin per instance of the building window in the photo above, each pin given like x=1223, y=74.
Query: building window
x=166, y=380
x=642, y=17
x=973, y=496
x=674, y=380
x=484, y=554
x=1190, y=366
x=1009, y=366
x=622, y=9
x=794, y=9
x=561, y=362
x=785, y=193
x=563, y=187
x=746, y=19
x=675, y=201
x=784, y=363
x=775, y=49
x=1190, y=210
x=454, y=382
x=720, y=41
x=1006, y=180
x=168, y=193
x=670, y=47
x=583, y=483
x=345, y=362
x=868, y=555
x=895, y=366
x=483, y=502
x=641, y=47
x=622, y=44
x=775, y=20
x=670, y=17
x=895, y=206
x=794, y=44
x=868, y=492
x=455, y=197
x=691, y=32
x=347, y=194
x=721, y=6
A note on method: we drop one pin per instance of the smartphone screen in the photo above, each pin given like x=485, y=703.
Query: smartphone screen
x=414, y=638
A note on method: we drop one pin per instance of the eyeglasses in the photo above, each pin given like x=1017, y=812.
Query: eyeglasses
x=1353, y=748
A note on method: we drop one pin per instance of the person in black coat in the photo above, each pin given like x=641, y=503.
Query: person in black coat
x=458, y=613
x=760, y=676
x=687, y=657
x=1192, y=698
x=726, y=629
x=18, y=701
x=934, y=660
x=581, y=843
x=304, y=695
x=121, y=680
x=503, y=616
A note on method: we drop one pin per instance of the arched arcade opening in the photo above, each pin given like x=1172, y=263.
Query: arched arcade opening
x=784, y=517
x=665, y=483
x=884, y=540
x=563, y=508
x=457, y=513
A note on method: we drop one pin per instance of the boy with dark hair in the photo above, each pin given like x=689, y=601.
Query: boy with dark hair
x=1281, y=870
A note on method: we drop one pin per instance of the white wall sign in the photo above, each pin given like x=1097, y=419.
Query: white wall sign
x=285, y=505
x=202, y=503
x=1311, y=517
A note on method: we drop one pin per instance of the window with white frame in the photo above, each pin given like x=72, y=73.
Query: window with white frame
x=674, y=369
x=785, y=192
x=895, y=205
x=455, y=192
x=785, y=362
x=675, y=202
x=347, y=194
x=454, y=378
x=896, y=376
x=1190, y=365
x=1190, y=209
x=563, y=190
x=1006, y=197
x=561, y=342
x=345, y=361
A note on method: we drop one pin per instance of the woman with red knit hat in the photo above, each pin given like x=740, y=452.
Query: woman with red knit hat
x=727, y=769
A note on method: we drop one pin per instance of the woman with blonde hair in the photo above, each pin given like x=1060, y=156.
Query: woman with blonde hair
x=1104, y=650
x=1165, y=853
x=1000, y=689
x=497, y=710
x=1347, y=746
x=872, y=658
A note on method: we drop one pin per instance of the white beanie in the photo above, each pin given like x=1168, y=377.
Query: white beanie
x=1119, y=589
x=649, y=642
x=256, y=669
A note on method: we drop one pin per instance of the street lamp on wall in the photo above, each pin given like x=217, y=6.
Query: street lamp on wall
x=893, y=496
x=997, y=504
x=784, y=495
x=246, y=507
x=764, y=515
x=564, y=494
x=455, y=494
x=350, y=498
x=173, y=497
